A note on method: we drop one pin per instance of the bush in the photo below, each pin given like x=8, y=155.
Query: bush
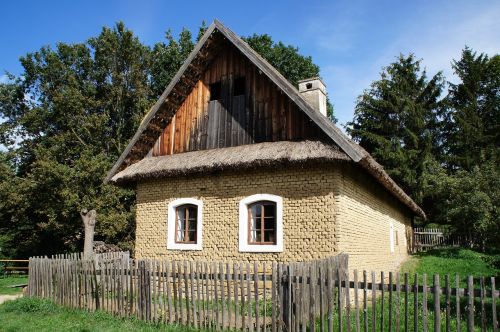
x=29, y=305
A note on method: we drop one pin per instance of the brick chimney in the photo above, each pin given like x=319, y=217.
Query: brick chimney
x=314, y=91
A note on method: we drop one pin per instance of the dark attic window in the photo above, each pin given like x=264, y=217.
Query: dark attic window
x=239, y=86
x=215, y=91
x=309, y=86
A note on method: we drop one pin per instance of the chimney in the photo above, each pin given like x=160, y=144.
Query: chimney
x=314, y=91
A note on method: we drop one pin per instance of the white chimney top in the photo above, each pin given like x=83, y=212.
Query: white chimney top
x=314, y=91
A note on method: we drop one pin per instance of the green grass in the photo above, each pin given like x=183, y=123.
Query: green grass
x=32, y=314
x=7, y=281
x=451, y=261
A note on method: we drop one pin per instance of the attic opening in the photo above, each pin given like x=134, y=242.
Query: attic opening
x=215, y=91
x=239, y=86
x=309, y=86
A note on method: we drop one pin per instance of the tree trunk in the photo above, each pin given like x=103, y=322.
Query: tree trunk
x=89, y=219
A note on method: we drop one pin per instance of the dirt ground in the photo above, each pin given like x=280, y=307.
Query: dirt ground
x=4, y=298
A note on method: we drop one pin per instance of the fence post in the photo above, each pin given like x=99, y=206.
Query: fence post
x=285, y=283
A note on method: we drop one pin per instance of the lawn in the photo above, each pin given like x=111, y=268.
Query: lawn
x=6, y=281
x=31, y=314
x=452, y=261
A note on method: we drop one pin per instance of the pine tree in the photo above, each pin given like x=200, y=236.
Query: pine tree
x=396, y=121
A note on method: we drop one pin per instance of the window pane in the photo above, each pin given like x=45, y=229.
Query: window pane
x=191, y=236
x=181, y=221
x=269, y=236
x=256, y=211
x=186, y=221
x=270, y=210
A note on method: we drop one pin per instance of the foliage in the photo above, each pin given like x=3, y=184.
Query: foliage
x=395, y=120
x=443, y=151
x=472, y=126
x=33, y=314
x=469, y=201
x=452, y=261
x=68, y=117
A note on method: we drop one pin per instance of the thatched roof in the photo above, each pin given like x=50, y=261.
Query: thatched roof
x=133, y=165
x=238, y=157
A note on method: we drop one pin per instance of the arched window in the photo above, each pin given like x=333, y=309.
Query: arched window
x=186, y=220
x=261, y=223
x=184, y=224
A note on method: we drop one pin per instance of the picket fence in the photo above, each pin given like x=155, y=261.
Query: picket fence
x=306, y=296
x=428, y=238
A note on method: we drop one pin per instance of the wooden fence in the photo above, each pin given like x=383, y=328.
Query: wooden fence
x=317, y=295
x=428, y=238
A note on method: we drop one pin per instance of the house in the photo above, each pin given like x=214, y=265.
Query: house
x=235, y=163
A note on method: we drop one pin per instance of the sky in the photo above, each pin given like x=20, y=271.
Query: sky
x=350, y=40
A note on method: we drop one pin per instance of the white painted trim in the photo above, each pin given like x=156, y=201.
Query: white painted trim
x=244, y=246
x=391, y=236
x=171, y=225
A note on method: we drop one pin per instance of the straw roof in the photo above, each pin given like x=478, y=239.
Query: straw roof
x=238, y=157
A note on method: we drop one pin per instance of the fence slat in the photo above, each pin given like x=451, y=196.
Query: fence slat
x=374, y=306
x=274, y=285
x=494, y=305
x=382, y=301
x=365, y=301
x=407, y=293
x=483, y=308
x=457, y=302
x=415, y=303
x=470, y=304
x=424, y=303
x=437, y=304
x=356, y=300
x=447, y=301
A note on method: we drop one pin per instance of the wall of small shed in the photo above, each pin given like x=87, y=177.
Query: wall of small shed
x=308, y=213
x=364, y=214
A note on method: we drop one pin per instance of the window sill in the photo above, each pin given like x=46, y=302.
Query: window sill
x=184, y=246
x=260, y=248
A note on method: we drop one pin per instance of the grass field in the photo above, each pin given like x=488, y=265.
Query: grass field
x=452, y=261
x=5, y=282
x=31, y=314
x=41, y=315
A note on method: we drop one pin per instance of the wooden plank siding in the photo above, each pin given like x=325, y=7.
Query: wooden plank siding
x=262, y=114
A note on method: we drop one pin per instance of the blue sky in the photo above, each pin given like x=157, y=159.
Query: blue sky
x=350, y=40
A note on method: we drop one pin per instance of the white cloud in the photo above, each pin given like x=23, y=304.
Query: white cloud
x=4, y=79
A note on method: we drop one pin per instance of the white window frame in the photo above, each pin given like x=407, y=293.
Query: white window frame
x=391, y=236
x=244, y=246
x=172, y=206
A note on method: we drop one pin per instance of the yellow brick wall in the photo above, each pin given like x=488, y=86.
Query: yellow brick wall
x=365, y=211
x=308, y=212
x=326, y=209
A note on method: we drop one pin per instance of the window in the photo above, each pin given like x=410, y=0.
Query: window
x=397, y=237
x=215, y=91
x=239, y=86
x=184, y=224
x=261, y=224
x=186, y=217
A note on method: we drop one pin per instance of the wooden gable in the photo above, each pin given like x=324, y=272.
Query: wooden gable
x=232, y=104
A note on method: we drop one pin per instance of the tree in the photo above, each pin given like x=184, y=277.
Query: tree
x=469, y=202
x=396, y=121
x=288, y=61
x=67, y=118
x=472, y=131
